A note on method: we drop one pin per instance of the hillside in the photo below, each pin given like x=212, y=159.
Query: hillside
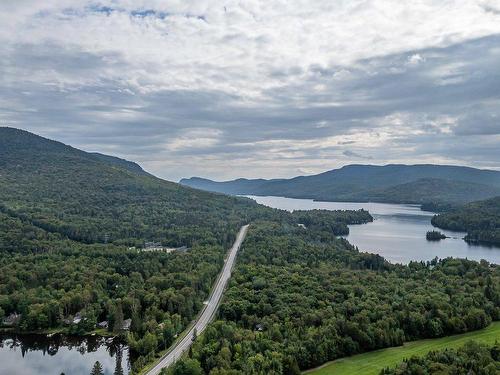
x=426, y=190
x=122, y=163
x=390, y=183
x=481, y=221
x=97, y=198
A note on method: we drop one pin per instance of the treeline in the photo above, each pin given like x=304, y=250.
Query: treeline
x=294, y=303
x=481, y=221
x=438, y=206
x=331, y=221
x=472, y=358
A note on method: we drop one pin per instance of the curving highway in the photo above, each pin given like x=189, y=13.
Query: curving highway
x=208, y=311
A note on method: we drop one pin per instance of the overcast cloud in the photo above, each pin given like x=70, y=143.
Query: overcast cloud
x=256, y=88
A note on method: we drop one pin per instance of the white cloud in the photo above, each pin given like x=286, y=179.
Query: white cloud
x=235, y=46
x=415, y=59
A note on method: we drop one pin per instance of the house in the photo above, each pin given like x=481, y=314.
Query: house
x=12, y=320
x=103, y=324
x=77, y=318
x=126, y=324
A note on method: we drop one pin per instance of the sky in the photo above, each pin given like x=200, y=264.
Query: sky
x=257, y=88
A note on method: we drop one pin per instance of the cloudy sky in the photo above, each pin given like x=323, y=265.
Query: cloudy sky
x=257, y=88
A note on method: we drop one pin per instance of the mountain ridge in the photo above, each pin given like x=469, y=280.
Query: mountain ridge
x=99, y=198
x=390, y=183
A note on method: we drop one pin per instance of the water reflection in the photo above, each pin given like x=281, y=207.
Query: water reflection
x=397, y=232
x=42, y=355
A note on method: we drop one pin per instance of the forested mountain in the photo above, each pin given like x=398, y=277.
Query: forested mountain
x=390, y=183
x=96, y=198
x=481, y=221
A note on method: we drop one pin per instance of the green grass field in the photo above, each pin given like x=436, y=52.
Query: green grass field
x=373, y=362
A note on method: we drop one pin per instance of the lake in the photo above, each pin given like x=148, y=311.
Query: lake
x=40, y=355
x=397, y=231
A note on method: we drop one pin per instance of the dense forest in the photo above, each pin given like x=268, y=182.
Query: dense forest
x=472, y=358
x=297, y=300
x=481, y=221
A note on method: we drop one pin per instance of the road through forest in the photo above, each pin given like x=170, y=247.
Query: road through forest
x=208, y=311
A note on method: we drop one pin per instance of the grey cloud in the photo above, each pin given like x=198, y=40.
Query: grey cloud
x=353, y=154
x=100, y=112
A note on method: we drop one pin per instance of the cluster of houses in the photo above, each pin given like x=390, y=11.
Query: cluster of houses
x=14, y=319
x=104, y=324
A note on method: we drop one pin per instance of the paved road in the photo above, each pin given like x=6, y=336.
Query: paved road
x=209, y=310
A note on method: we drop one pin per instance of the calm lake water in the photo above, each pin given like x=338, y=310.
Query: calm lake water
x=397, y=232
x=39, y=355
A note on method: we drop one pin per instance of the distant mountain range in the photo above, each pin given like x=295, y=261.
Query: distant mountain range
x=394, y=183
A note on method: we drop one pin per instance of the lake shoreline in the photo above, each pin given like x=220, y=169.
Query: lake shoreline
x=398, y=232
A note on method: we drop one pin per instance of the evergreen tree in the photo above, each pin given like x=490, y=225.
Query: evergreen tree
x=97, y=369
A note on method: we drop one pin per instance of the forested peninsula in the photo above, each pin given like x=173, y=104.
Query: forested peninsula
x=481, y=221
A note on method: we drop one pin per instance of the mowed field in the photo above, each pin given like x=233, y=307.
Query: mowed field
x=373, y=362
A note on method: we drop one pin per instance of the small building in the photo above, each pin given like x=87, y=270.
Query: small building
x=12, y=320
x=103, y=324
x=126, y=324
x=77, y=318
x=259, y=327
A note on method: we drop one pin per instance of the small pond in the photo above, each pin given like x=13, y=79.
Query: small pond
x=60, y=354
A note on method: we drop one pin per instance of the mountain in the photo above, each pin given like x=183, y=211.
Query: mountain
x=98, y=198
x=395, y=183
x=481, y=221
